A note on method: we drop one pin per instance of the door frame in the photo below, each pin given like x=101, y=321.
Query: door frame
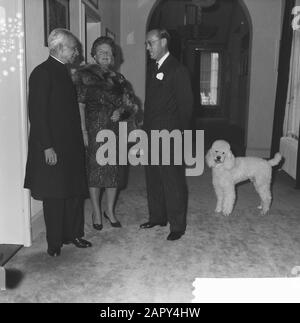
x=16, y=224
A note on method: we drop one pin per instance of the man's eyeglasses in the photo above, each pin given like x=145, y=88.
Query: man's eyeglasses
x=151, y=42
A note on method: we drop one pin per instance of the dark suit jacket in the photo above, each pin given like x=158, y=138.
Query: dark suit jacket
x=169, y=102
x=54, y=122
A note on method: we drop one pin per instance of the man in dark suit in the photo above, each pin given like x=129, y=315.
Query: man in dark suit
x=168, y=106
x=55, y=170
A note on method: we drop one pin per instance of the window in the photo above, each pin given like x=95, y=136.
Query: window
x=209, y=78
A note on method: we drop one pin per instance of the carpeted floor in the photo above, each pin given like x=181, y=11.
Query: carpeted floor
x=132, y=265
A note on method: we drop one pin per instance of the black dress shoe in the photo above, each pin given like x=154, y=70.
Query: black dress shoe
x=175, y=235
x=87, y=243
x=53, y=252
x=149, y=225
x=113, y=224
x=79, y=243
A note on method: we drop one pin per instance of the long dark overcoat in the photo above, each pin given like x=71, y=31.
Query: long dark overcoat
x=54, y=122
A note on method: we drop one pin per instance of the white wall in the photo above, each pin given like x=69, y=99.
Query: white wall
x=110, y=17
x=36, y=52
x=14, y=200
x=134, y=15
x=266, y=19
x=237, y=84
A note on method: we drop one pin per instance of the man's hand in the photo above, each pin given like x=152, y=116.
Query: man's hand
x=50, y=157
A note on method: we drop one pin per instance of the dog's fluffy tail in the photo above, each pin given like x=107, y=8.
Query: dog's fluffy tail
x=275, y=161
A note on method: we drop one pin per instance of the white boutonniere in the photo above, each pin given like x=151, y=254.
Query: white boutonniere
x=160, y=76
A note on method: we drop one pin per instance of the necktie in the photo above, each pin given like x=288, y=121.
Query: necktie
x=154, y=69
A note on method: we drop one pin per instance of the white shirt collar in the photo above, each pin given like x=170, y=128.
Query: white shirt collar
x=159, y=63
x=57, y=59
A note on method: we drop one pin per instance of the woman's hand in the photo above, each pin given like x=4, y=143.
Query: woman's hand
x=116, y=116
x=126, y=100
x=50, y=157
x=135, y=108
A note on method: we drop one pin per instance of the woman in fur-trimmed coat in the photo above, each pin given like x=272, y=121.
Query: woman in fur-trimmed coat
x=105, y=97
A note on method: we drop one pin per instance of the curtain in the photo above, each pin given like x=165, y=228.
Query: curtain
x=283, y=75
x=292, y=119
x=283, y=82
x=292, y=109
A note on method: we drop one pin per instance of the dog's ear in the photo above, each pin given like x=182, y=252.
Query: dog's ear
x=229, y=160
x=209, y=158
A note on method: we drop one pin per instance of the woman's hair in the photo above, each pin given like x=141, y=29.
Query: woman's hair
x=103, y=40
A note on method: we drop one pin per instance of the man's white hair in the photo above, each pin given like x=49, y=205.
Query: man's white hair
x=57, y=38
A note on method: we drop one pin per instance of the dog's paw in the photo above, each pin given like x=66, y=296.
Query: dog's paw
x=263, y=212
x=218, y=209
x=226, y=212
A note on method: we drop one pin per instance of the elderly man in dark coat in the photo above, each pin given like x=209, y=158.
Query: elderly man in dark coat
x=55, y=171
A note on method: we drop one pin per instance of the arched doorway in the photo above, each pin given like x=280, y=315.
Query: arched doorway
x=213, y=39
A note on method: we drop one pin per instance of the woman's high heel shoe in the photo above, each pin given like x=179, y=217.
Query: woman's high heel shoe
x=97, y=226
x=113, y=224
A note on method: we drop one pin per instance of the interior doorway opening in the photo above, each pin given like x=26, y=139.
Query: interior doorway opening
x=92, y=30
x=213, y=39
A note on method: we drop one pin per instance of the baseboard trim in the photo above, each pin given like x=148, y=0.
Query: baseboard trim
x=258, y=152
x=37, y=225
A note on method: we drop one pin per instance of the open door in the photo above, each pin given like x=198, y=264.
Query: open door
x=14, y=200
x=92, y=30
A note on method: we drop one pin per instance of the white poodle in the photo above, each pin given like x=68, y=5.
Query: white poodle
x=228, y=170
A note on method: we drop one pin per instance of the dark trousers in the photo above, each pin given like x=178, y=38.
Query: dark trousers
x=167, y=195
x=64, y=219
